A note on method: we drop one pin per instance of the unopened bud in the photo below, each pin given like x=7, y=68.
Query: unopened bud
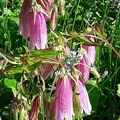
x=34, y=110
x=53, y=18
x=62, y=6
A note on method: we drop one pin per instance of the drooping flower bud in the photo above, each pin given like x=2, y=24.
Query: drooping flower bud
x=34, y=110
x=83, y=97
x=63, y=101
x=62, y=6
x=90, y=50
x=83, y=67
x=24, y=26
x=46, y=70
x=53, y=18
x=38, y=31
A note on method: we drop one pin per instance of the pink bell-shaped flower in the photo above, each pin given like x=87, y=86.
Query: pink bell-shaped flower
x=63, y=101
x=83, y=98
x=83, y=67
x=90, y=50
x=24, y=27
x=46, y=70
x=38, y=31
x=34, y=110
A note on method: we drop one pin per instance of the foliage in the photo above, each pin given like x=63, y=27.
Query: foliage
x=79, y=16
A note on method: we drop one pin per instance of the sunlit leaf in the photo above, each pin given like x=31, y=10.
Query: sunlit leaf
x=43, y=53
x=10, y=83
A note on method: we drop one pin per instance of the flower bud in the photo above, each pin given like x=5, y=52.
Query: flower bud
x=53, y=18
x=62, y=6
x=34, y=110
x=24, y=26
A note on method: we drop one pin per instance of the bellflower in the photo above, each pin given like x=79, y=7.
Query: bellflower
x=63, y=101
x=33, y=25
x=46, y=70
x=90, y=50
x=24, y=27
x=83, y=67
x=34, y=110
x=38, y=31
x=83, y=98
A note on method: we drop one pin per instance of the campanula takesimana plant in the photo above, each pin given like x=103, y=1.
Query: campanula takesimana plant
x=36, y=30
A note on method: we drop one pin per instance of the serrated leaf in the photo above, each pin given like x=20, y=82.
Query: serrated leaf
x=15, y=70
x=10, y=83
x=31, y=68
x=43, y=53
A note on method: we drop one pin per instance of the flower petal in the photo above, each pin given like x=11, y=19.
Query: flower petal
x=83, y=67
x=83, y=98
x=38, y=31
x=46, y=70
x=90, y=50
x=34, y=110
x=24, y=26
x=64, y=100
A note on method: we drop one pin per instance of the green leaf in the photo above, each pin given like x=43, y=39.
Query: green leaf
x=10, y=83
x=15, y=70
x=118, y=91
x=31, y=68
x=94, y=93
x=43, y=53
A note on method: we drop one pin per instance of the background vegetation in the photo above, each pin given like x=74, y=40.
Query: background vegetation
x=103, y=95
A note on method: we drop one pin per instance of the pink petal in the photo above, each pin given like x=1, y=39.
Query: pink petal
x=38, y=31
x=90, y=50
x=25, y=19
x=83, y=98
x=64, y=101
x=34, y=110
x=46, y=70
x=83, y=67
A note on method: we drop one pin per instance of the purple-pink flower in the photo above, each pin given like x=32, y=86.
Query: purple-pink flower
x=63, y=99
x=90, y=50
x=38, y=31
x=34, y=109
x=83, y=67
x=46, y=70
x=33, y=25
x=25, y=19
x=83, y=98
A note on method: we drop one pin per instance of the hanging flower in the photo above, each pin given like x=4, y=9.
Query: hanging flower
x=83, y=97
x=24, y=27
x=46, y=70
x=83, y=67
x=53, y=18
x=34, y=110
x=33, y=25
x=90, y=50
x=81, y=91
x=38, y=31
x=63, y=100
